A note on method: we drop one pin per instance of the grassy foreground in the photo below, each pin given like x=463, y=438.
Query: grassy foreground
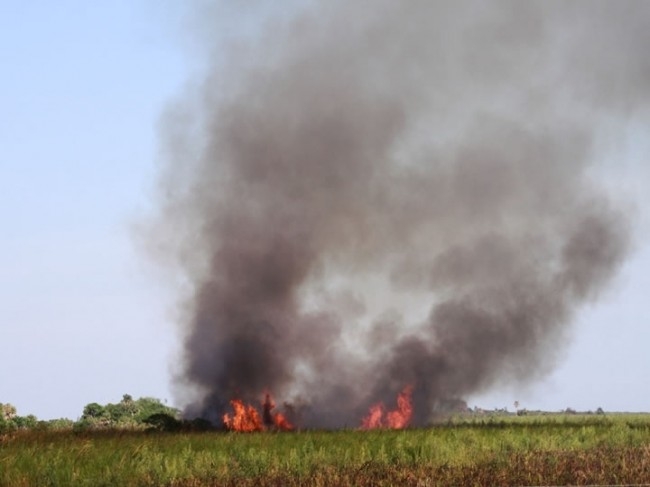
x=556, y=449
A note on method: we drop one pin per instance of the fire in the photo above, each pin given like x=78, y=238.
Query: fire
x=280, y=421
x=374, y=418
x=397, y=419
x=246, y=418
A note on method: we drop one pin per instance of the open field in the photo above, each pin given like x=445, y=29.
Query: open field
x=503, y=450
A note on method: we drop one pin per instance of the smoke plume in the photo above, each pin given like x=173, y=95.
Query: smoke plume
x=378, y=194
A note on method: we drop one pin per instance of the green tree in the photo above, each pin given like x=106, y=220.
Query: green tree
x=128, y=413
x=7, y=411
x=25, y=422
x=93, y=410
x=147, y=406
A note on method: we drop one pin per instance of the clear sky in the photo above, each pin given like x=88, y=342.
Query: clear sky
x=83, y=318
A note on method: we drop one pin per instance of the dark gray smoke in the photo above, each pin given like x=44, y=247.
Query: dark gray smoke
x=385, y=193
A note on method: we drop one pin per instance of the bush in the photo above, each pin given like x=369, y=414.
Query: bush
x=162, y=422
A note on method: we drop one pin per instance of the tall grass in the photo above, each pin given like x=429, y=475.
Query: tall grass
x=514, y=449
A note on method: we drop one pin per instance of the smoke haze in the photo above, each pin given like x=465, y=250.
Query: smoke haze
x=381, y=194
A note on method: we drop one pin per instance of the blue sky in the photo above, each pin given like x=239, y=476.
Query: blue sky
x=83, y=318
x=82, y=89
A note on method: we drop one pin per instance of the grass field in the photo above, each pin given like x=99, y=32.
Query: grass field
x=500, y=450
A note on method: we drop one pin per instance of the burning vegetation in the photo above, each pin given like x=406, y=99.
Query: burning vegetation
x=246, y=417
x=396, y=419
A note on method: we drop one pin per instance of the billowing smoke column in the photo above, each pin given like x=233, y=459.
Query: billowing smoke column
x=384, y=194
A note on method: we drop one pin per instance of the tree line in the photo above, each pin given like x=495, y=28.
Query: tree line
x=129, y=413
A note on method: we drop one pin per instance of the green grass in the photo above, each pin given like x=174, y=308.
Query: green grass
x=555, y=449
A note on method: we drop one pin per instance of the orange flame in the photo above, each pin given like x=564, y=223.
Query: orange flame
x=246, y=417
x=374, y=418
x=397, y=419
x=281, y=422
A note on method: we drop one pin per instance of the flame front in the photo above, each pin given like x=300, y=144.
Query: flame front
x=281, y=422
x=397, y=419
x=246, y=417
x=374, y=418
